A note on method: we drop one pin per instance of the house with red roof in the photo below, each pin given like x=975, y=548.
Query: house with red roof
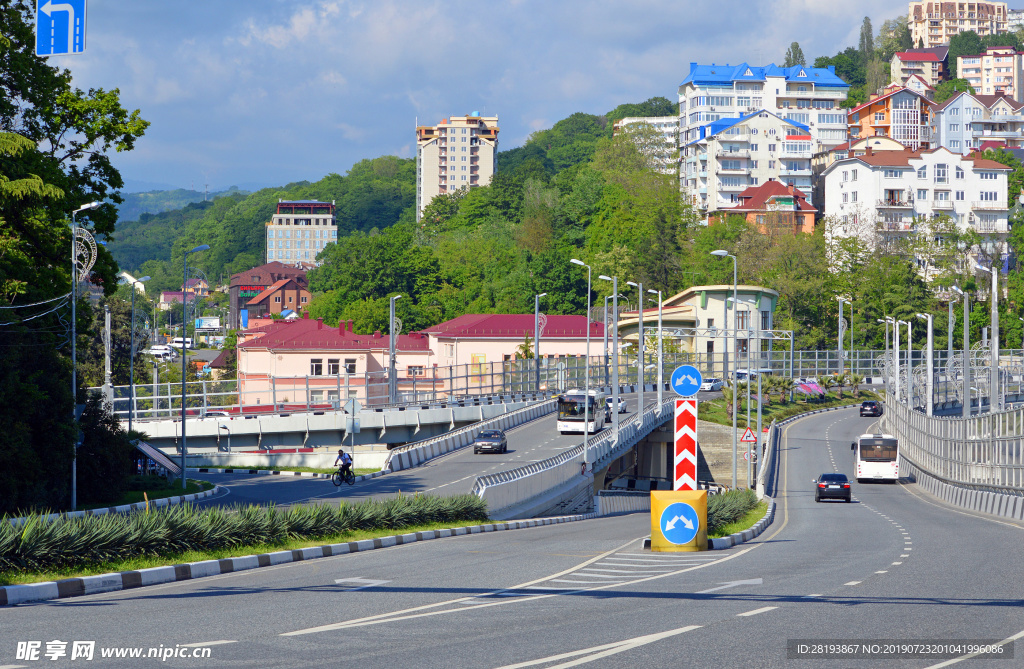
x=282, y=295
x=966, y=123
x=897, y=112
x=775, y=207
x=251, y=283
x=931, y=66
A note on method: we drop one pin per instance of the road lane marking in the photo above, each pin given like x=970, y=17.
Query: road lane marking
x=852, y=583
x=202, y=644
x=882, y=572
x=758, y=611
x=628, y=571
x=897, y=563
x=351, y=584
x=1005, y=641
x=599, y=652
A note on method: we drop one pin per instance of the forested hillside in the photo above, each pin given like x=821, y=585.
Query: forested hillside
x=157, y=201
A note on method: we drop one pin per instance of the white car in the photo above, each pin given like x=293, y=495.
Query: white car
x=610, y=402
x=712, y=384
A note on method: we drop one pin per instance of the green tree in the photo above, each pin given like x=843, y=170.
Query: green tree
x=794, y=56
x=948, y=89
x=965, y=43
x=867, y=41
x=893, y=36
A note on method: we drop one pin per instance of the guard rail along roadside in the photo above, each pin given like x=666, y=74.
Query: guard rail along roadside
x=983, y=452
x=508, y=488
x=415, y=454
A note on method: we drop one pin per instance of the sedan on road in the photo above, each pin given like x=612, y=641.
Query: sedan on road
x=870, y=408
x=610, y=403
x=832, y=486
x=491, y=441
x=712, y=384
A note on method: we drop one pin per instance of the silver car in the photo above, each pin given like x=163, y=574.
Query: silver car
x=712, y=384
x=610, y=403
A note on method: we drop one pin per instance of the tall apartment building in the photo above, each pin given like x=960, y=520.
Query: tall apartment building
x=931, y=65
x=1015, y=20
x=668, y=126
x=898, y=112
x=459, y=152
x=934, y=23
x=1000, y=70
x=805, y=96
x=299, y=230
x=966, y=123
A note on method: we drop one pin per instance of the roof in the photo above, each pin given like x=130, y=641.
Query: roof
x=268, y=274
x=513, y=326
x=903, y=158
x=221, y=361
x=270, y=290
x=987, y=101
x=755, y=198
x=894, y=90
x=726, y=74
x=906, y=56
x=309, y=334
x=723, y=124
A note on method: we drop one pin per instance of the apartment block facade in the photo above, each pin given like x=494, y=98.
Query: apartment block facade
x=299, y=230
x=668, y=154
x=967, y=123
x=1000, y=70
x=931, y=65
x=934, y=23
x=459, y=152
x=898, y=112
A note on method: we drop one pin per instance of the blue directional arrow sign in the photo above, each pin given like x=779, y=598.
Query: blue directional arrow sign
x=60, y=27
x=686, y=380
x=679, y=523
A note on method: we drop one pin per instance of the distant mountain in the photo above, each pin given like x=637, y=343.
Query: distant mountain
x=158, y=201
x=136, y=186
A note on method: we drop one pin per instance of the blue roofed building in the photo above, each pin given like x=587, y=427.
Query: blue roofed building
x=805, y=96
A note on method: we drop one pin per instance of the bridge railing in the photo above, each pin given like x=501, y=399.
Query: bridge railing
x=985, y=451
x=508, y=488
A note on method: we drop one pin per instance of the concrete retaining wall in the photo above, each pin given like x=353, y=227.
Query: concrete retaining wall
x=323, y=458
x=607, y=505
x=991, y=502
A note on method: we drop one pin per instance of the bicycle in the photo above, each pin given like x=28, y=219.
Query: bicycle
x=348, y=477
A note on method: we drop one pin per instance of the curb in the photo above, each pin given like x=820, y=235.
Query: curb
x=720, y=543
x=279, y=472
x=125, y=508
x=125, y=580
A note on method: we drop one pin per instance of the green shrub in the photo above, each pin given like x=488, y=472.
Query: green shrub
x=36, y=544
x=728, y=507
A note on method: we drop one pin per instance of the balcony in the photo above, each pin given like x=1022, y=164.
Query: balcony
x=801, y=172
x=999, y=227
x=989, y=205
x=733, y=187
x=805, y=155
x=942, y=204
x=737, y=170
x=896, y=226
x=733, y=153
x=895, y=203
x=1008, y=134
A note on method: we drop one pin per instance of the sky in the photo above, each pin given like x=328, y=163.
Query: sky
x=268, y=92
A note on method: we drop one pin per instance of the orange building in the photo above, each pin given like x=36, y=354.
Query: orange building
x=898, y=112
x=774, y=206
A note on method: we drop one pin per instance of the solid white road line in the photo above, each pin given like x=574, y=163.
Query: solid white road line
x=203, y=644
x=967, y=657
x=852, y=583
x=757, y=611
x=599, y=652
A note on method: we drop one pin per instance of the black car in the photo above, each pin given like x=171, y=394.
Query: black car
x=492, y=441
x=870, y=408
x=832, y=486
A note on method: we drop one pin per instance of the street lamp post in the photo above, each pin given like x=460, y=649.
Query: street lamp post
x=896, y=357
x=74, y=351
x=615, y=353
x=732, y=379
x=184, y=351
x=536, y=339
x=929, y=367
x=226, y=428
x=888, y=357
x=131, y=363
x=392, y=344
x=840, y=331
x=640, y=347
x=661, y=351
x=586, y=368
x=965, y=409
x=994, y=397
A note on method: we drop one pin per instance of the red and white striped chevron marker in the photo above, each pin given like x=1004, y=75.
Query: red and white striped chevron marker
x=686, y=445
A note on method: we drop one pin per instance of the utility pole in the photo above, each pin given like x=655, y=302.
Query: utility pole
x=108, y=388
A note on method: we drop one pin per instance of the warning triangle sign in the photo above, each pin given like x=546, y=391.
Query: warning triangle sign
x=748, y=437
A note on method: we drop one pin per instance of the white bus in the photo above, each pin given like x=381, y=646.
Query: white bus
x=575, y=409
x=178, y=342
x=876, y=458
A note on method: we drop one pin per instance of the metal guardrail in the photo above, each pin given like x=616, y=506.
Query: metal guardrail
x=766, y=461
x=985, y=451
x=507, y=488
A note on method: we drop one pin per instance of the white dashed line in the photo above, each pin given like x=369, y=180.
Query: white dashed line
x=757, y=611
x=852, y=583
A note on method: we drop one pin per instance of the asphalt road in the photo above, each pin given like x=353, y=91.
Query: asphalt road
x=896, y=564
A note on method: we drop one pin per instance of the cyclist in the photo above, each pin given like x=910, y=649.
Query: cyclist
x=346, y=462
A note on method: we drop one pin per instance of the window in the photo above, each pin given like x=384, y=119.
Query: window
x=942, y=196
x=711, y=322
x=922, y=172
x=333, y=367
x=846, y=197
x=753, y=147
x=853, y=175
x=766, y=320
x=304, y=299
x=960, y=196
x=879, y=117
x=350, y=365
x=954, y=112
x=941, y=173
x=989, y=196
x=743, y=320
x=922, y=194
x=277, y=298
x=892, y=174
x=711, y=347
x=846, y=175
x=416, y=370
x=270, y=255
x=854, y=196
x=954, y=127
x=771, y=148
x=988, y=175
x=316, y=367
x=270, y=234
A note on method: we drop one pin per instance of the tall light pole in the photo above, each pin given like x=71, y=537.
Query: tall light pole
x=615, y=354
x=640, y=348
x=888, y=358
x=661, y=351
x=586, y=372
x=994, y=399
x=392, y=344
x=536, y=338
x=929, y=367
x=966, y=404
x=131, y=363
x=74, y=352
x=184, y=350
x=896, y=356
x=732, y=379
x=840, y=331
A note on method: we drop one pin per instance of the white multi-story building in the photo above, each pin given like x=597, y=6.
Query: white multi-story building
x=930, y=65
x=891, y=193
x=935, y=22
x=999, y=70
x=668, y=126
x=1014, y=20
x=732, y=154
x=460, y=152
x=966, y=122
x=299, y=230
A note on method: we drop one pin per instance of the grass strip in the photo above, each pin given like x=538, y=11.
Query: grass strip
x=744, y=523
x=714, y=411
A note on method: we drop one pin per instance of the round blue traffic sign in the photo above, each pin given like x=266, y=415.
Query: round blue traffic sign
x=679, y=523
x=686, y=380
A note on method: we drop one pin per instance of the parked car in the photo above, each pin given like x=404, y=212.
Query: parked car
x=832, y=486
x=870, y=408
x=712, y=384
x=492, y=441
x=610, y=403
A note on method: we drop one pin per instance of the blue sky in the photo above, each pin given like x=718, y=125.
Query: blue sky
x=267, y=92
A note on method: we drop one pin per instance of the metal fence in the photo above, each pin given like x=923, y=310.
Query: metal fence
x=983, y=451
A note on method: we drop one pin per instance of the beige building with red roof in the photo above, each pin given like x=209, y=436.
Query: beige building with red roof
x=775, y=207
x=252, y=283
x=928, y=65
